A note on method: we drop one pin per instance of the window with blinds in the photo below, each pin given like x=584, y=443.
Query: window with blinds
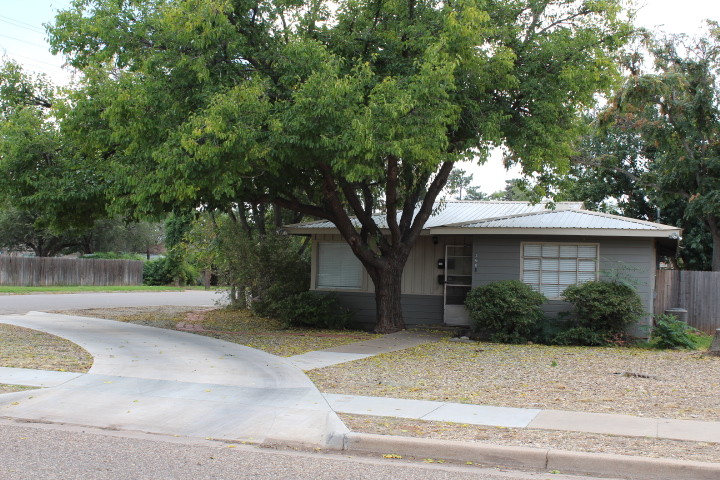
x=552, y=267
x=337, y=267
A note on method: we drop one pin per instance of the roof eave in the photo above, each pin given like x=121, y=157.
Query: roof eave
x=310, y=231
x=583, y=232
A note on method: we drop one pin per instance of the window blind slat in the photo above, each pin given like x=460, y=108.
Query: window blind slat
x=338, y=267
x=552, y=267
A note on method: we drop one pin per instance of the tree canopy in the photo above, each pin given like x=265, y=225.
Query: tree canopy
x=49, y=192
x=654, y=153
x=331, y=109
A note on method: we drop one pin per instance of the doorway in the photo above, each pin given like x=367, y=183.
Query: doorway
x=458, y=282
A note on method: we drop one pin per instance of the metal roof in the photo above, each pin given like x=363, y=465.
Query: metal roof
x=498, y=217
x=568, y=219
x=454, y=212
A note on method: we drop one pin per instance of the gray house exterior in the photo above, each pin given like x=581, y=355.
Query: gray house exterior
x=466, y=244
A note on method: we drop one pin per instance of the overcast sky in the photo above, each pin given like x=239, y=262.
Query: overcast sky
x=22, y=38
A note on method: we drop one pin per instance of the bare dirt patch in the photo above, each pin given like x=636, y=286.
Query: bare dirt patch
x=546, y=439
x=652, y=383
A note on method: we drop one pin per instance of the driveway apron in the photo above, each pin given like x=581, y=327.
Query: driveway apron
x=164, y=381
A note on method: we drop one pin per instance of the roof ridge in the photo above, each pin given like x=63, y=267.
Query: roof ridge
x=502, y=217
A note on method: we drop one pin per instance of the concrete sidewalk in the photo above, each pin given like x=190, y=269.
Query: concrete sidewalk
x=609, y=424
x=164, y=381
x=358, y=350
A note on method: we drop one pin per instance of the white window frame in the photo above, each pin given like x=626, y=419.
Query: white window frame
x=551, y=266
x=346, y=260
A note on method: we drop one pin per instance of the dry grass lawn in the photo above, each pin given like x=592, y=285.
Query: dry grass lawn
x=668, y=384
x=25, y=348
x=236, y=326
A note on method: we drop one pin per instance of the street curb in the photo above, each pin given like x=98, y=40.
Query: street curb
x=625, y=466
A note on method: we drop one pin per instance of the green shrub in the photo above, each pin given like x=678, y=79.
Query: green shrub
x=509, y=310
x=166, y=271
x=581, y=336
x=310, y=309
x=157, y=272
x=603, y=309
x=270, y=267
x=669, y=332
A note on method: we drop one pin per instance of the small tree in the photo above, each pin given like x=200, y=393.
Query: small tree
x=270, y=267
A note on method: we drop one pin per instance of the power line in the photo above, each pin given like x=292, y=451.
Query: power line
x=24, y=41
x=10, y=54
x=21, y=24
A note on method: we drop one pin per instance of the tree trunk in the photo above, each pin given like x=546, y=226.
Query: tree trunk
x=388, y=307
x=715, y=231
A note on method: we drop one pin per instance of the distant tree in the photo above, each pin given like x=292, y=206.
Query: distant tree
x=458, y=182
x=45, y=183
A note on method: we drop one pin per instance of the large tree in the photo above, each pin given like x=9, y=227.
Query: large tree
x=352, y=111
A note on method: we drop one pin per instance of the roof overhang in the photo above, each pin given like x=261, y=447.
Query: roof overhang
x=671, y=234
x=574, y=232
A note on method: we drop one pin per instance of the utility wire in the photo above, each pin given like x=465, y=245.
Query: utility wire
x=10, y=54
x=20, y=24
x=24, y=41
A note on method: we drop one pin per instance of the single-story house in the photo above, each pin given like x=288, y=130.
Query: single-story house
x=470, y=243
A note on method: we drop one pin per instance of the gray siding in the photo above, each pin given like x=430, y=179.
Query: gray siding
x=417, y=309
x=498, y=258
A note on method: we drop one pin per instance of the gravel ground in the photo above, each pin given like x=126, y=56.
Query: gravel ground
x=666, y=384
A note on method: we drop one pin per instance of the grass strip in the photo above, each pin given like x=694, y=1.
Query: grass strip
x=87, y=288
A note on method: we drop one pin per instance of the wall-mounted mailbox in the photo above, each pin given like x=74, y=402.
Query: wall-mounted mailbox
x=441, y=279
x=441, y=263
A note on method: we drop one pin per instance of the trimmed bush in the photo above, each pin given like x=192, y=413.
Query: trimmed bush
x=603, y=310
x=671, y=333
x=508, y=311
x=310, y=309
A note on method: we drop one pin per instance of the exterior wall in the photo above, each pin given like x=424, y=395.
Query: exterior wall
x=422, y=300
x=495, y=258
x=417, y=309
x=420, y=276
x=499, y=257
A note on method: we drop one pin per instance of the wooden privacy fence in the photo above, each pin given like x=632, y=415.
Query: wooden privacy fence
x=43, y=271
x=696, y=292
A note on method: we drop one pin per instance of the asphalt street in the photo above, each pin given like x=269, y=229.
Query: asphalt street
x=11, y=304
x=61, y=452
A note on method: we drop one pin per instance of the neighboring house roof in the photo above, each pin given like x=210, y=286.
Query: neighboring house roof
x=513, y=218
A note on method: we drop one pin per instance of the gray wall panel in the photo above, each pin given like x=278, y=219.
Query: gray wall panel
x=417, y=309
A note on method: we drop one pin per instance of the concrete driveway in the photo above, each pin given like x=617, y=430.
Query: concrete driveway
x=170, y=382
x=65, y=301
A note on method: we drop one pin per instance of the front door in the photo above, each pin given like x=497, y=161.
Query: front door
x=458, y=282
